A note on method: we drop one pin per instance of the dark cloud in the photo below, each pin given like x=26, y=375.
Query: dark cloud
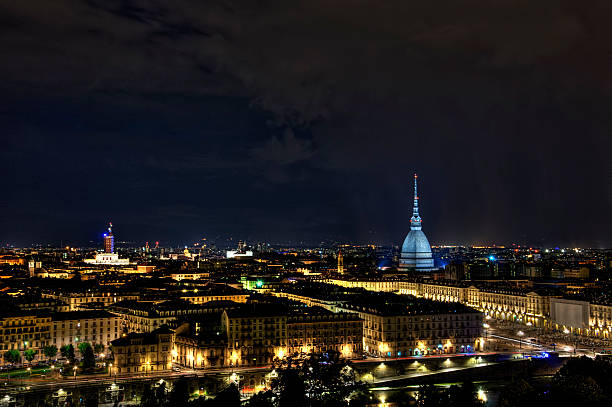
x=265, y=112
x=284, y=150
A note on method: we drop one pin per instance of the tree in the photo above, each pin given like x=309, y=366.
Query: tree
x=429, y=396
x=89, y=359
x=290, y=388
x=362, y=398
x=150, y=398
x=82, y=346
x=67, y=352
x=465, y=395
x=228, y=397
x=29, y=355
x=326, y=380
x=12, y=356
x=50, y=351
x=456, y=396
x=179, y=395
x=518, y=393
x=583, y=381
x=98, y=348
x=161, y=393
x=261, y=399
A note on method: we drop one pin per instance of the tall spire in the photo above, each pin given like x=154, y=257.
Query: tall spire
x=415, y=221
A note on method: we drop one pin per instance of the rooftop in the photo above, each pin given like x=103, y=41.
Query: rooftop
x=80, y=315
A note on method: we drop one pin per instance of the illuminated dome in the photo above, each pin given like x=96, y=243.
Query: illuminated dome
x=416, y=251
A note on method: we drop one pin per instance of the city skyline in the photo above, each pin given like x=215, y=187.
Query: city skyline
x=97, y=240
x=280, y=203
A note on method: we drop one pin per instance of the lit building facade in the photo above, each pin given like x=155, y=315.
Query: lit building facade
x=95, y=327
x=519, y=305
x=325, y=331
x=256, y=336
x=198, y=346
x=143, y=316
x=143, y=352
x=196, y=297
x=395, y=326
x=78, y=300
x=386, y=334
x=24, y=330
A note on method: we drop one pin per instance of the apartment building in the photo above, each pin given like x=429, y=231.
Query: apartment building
x=83, y=299
x=142, y=316
x=21, y=330
x=143, y=352
x=74, y=327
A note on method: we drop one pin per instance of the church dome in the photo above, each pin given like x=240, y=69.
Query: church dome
x=416, y=252
x=416, y=242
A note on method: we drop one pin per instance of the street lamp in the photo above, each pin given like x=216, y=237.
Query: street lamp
x=520, y=334
x=110, y=369
x=75, y=371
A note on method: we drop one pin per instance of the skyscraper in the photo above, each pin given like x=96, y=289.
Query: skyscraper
x=109, y=240
x=416, y=251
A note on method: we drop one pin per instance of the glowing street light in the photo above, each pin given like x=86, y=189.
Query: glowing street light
x=520, y=334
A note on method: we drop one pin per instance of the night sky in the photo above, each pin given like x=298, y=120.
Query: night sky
x=283, y=120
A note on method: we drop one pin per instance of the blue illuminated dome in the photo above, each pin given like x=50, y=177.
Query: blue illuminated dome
x=416, y=251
